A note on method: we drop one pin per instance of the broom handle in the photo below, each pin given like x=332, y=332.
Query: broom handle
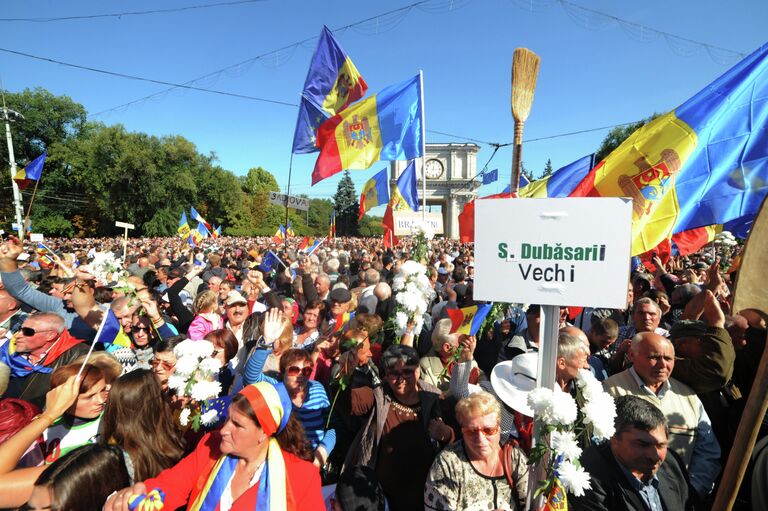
x=517, y=156
x=746, y=436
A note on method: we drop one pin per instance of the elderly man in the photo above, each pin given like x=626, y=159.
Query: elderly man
x=691, y=435
x=634, y=471
x=646, y=316
x=42, y=345
x=367, y=298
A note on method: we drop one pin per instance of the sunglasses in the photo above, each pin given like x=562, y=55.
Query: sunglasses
x=294, y=371
x=485, y=431
x=29, y=332
x=165, y=365
x=407, y=372
x=137, y=329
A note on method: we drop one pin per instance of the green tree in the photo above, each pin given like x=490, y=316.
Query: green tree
x=547, y=168
x=525, y=172
x=347, y=206
x=617, y=135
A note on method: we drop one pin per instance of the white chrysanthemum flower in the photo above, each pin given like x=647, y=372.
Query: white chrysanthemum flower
x=600, y=411
x=210, y=365
x=209, y=418
x=398, y=282
x=203, y=390
x=177, y=382
x=564, y=409
x=574, y=478
x=185, y=347
x=184, y=416
x=401, y=319
x=540, y=401
x=204, y=348
x=565, y=444
x=412, y=268
x=186, y=365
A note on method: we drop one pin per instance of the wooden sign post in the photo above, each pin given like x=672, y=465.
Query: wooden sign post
x=125, y=226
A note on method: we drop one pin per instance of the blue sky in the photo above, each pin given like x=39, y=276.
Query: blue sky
x=595, y=71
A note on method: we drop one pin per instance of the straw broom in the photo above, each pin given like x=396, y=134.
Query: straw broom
x=525, y=71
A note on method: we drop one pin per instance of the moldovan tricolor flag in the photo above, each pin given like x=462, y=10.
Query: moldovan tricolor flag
x=386, y=126
x=704, y=163
x=469, y=319
x=332, y=83
x=111, y=332
x=375, y=192
x=404, y=197
x=183, y=229
x=31, y=172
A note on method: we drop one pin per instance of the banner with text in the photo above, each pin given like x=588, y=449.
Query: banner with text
x=405, y=220
x=573, y=251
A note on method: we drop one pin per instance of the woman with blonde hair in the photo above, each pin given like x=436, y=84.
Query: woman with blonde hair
x=476, y=472
x=207, y=317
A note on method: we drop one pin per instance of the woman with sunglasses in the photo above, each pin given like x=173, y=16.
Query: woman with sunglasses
x=309, y=399
x=403, y=431
x=476, y=472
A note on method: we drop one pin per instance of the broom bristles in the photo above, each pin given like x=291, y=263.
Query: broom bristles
x=525, y=71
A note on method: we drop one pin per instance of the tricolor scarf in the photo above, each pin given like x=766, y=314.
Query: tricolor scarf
x=21, y=367
x=272, y=407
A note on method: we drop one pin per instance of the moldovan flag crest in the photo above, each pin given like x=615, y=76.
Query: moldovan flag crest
x=704, y=163
x=375, y=192
x=183, y=229
x=386, y=126
x=468, y=319
x=332, y=83
x=32, y=172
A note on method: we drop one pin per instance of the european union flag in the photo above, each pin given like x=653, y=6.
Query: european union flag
x=269, y=262
x=492, y=176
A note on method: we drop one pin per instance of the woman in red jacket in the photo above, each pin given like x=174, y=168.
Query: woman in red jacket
x=256, y=461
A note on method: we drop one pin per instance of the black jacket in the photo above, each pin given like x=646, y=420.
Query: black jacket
x=611, y=490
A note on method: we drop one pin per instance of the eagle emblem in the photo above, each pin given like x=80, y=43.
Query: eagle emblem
x=652, y=182
x=358, y=132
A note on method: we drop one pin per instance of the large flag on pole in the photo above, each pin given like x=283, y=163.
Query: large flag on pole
x=32, y=172
x=386, y=126
x=375, y=192
x=704, y=163
x=332, y=83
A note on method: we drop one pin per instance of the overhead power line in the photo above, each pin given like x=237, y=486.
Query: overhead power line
x=144, y=79
x=131, y=13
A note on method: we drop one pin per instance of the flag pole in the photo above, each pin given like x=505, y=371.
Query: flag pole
x=12, y=160
x=423, y=151
x=287, y=197
x=29, y=208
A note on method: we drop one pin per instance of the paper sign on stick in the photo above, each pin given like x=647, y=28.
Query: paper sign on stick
x=573, y=251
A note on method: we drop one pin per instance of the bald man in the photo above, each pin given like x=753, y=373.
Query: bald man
x=691, y=436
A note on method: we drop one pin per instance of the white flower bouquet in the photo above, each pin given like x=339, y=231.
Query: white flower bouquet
x=413, y=294
x=194, y=378
x=106, y=268
x=563, y=422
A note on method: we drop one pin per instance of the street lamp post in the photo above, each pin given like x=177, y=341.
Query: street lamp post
x=16, y=193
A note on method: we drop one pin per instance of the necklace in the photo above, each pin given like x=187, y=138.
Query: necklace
x=406, y=410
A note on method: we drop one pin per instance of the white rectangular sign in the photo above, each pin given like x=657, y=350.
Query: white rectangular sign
x=278, y=199
x=124, y=225
x=35, y=236
x=573, y=251
x=404, y=221
x=15, y=226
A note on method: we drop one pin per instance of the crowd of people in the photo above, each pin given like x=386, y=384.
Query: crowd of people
x=318, y=391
